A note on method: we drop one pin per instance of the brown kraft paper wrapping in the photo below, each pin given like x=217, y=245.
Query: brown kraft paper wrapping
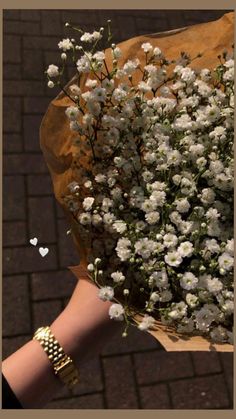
x=209, y=39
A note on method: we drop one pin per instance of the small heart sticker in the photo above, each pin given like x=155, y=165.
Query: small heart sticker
x=43, y=251
x=34, y=241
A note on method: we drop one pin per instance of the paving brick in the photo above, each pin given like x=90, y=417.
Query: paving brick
x=52, y=93
x=200, y=393
x=51, y=22
x=67, y=250
x=45, y=312
x=16, y=319
x=150, y=26
x=31, y=132
x=35, y=104
x=24, y=88
x=176, y=19
x=59, y=210
x=52, y=57
x=32, y=65
x=30, y=15
x=128, y=25
x=62, y=393
x=155, y=397
x=27, y=259
x=81, y=17
x=228, y=365
x=13, y=198
x=42, y=219
x=119, y=380
x=134, y=342
x=12, y=344
x=12, y=143
x=24, y=164
x=91, y=401
x=162, y=366
x=11, y=49
x=12, y=71
x=206, y=362
x=90, y=378
x=14, y=233
x=58, y=284
x=11, y=114
x=206, y=15
x=11, y=14
x=39, y=185
x=19, y=28
x=41, y=43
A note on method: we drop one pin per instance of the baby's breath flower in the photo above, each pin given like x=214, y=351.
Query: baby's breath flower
x=188, y=281
x=106, y=293
x=53, y=70
x=226, y=261
x=65, y=44
x=158, y=169
x=173, y=258
x=147, y=47
x=116, y=312
x=72, y=112
x=146, y=323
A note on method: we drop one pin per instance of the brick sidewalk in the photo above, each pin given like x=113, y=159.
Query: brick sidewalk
x=35, y=291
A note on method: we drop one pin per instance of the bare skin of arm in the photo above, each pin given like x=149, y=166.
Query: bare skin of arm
x=82, y=329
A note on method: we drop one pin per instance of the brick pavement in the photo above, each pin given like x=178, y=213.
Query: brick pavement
x=135, y=373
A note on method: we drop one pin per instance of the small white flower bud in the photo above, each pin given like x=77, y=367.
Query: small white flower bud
x=51, y=84
x=63, y=56
x=97, y=260
x=67, y=24
x=90, y=267
x=126, y=291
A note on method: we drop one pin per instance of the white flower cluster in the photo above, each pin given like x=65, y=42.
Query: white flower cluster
x=158, y=206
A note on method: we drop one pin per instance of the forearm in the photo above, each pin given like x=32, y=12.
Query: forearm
x=80, y=329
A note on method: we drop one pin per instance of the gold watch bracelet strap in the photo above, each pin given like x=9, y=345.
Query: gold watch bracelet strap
x=62, y=364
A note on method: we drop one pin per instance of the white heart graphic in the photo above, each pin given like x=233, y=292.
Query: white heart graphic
x=34, y=241
x=43, y=251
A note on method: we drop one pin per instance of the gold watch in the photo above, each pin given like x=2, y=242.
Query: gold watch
x=62, y=364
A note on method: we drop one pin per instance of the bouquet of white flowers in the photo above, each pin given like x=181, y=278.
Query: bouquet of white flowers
x=153, y=187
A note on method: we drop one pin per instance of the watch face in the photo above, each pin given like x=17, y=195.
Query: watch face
x=40, y=333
